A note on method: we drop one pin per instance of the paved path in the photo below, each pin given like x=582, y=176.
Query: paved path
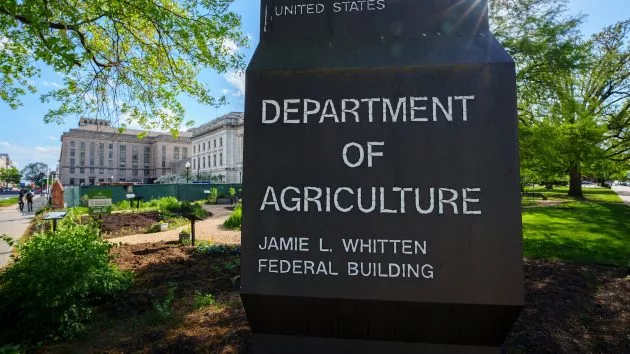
x=624, y=193
x=208, y=230
x=14, y=224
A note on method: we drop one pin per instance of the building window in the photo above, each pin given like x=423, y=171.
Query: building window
x=72, y=163
x=221, y=159
x=194, y=164
x=82, y=181
x=204, y=146
x=176, y=153
x=122, y=154
x=184, y=153
x=220, y=141
x=204, y=162
x=163, y=156
x=72, y=149
x=82, y=157
x=147, y=161
x=193, y=149
x=214, y=160
x=72, y=181
x=101, y=157
x=134, y=160
x=214, y=143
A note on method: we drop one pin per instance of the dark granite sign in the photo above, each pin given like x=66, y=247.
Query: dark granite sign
x=381, y=179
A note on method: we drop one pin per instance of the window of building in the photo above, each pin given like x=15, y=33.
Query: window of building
x=147, y=160
x=72, y=181
x=214, y=143
x=82, y=181
x=204, y=162
x=193, y=149
x=72, y=163
x=134, y=160
x=72, y=149
x=101, y=158
x=220, y=141
x=198, y=163
x=122, y=155
x=214, y=160
x=82, y=157
x=163, y=156
x=176, y=153
x=204, y=146
x=194, y=164
x=184, y=153
x=221, y=159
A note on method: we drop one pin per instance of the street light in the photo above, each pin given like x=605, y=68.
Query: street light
x=187, y=171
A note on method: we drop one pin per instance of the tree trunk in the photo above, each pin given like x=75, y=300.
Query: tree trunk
x=575, y=183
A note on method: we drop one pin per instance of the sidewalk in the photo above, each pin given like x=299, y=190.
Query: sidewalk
x=210, y=229
x=623, y=192
x=14, y=224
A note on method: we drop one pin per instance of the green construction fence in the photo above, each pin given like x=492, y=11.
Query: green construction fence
x=183, y=192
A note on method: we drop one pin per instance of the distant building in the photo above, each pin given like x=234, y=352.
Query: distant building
x=97, y=153
x=218, y=148
x=5, y=161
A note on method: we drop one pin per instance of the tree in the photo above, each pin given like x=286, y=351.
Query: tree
x=573, y=93
x=36, y=173
x=132, y=58
x=10, y=175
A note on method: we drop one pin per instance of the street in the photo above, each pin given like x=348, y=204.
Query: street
x=14, y=224
x=623, y=192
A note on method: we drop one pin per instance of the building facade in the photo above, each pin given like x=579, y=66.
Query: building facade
x=97, y=153
x=5, y=161
x=217, y=149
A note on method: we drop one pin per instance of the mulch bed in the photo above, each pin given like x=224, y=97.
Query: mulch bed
x=570, y=308
x=123, y=224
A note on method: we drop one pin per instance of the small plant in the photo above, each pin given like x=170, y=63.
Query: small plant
x=50, y=288
x=211, y=248
x=184, y=236
x=213, y=195
x=157, y=227
x=235, y=220
x=203, y=300
x=232, y=192
x=164, y=307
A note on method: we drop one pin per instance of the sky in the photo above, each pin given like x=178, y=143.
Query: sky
x=26, y=138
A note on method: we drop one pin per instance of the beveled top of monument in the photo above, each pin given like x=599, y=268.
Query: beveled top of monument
x=372, y=20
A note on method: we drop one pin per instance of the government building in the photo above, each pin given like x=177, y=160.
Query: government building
x=97, y=153
x=217, y=148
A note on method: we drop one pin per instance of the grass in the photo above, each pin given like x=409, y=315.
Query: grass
x=8, y=202
x=593, y=230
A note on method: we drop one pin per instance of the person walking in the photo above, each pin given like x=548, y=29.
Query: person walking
x=21, y=201
x=29, y=201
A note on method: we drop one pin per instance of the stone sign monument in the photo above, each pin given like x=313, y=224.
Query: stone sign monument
x=381, y=182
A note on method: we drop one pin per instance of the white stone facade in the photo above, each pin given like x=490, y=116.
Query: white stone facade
x=96, y=153
x=217, y=148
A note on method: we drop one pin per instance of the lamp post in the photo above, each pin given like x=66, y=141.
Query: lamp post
x=112, y=179
x=187, y=171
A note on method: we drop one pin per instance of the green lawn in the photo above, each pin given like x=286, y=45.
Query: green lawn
x=8, y=202
x=595, y=230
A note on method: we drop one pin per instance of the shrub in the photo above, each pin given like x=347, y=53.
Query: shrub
x=214, y=194
x=203, y=300
x=164, y=205
x=234, y=221
x=49, y=289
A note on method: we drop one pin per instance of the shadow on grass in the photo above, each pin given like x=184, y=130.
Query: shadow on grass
x=579, y=231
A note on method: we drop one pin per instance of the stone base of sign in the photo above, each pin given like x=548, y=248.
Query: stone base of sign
x=273, y=344
x=473, y=325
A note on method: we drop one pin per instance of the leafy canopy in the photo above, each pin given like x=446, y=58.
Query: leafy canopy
x=123, y=58
x=10, y=175
x=36, y=173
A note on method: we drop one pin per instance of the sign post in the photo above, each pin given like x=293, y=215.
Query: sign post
x=382, y=208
